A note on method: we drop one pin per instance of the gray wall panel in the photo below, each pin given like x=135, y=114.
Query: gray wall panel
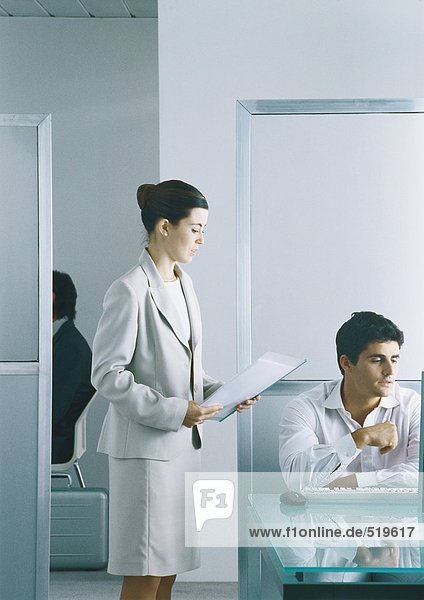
x=18, y=489
x=18, y=244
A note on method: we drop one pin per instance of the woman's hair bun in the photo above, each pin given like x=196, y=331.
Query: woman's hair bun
x=144, y=194
x=172, y=200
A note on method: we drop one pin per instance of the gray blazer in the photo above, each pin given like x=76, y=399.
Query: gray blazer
x=142, y=364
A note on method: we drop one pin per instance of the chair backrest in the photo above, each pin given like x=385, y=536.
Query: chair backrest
x=80, y=440
x=266, y=418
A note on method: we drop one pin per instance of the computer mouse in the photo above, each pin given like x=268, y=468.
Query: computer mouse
x=292, y=498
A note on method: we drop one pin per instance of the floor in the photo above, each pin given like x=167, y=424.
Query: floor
x=98, y=585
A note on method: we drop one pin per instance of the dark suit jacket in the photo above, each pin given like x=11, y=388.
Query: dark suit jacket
x=72, y=388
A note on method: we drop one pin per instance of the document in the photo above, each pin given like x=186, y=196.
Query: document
x=263, y=372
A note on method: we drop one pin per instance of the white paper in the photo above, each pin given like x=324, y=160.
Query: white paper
x=263, y=372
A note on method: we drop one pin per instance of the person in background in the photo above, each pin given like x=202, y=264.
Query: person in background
x=71, y=385
x=147, y=361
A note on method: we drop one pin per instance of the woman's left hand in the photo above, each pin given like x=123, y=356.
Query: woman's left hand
x=248, y=403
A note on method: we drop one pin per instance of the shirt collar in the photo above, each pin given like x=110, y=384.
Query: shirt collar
x=334, y=399
x=155, y=280
x=58, y=324
x=390, y=401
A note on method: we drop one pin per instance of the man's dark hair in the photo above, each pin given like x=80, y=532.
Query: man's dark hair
x=363, y=328
x=65, y=296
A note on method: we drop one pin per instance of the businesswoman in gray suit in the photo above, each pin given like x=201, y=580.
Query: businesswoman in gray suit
x=147, y=360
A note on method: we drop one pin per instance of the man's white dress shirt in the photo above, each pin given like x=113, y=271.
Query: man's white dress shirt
x=316, y=445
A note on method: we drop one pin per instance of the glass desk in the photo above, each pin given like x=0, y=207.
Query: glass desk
x=378, y=545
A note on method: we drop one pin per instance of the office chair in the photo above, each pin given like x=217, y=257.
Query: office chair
x=80, y=446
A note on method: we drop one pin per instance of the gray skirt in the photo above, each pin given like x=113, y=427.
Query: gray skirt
x=147, y=515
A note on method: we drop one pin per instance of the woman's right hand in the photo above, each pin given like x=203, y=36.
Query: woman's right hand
x=196, y=414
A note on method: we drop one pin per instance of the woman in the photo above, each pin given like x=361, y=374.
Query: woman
x=147, y=360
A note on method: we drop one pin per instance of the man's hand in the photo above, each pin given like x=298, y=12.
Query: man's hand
x=349, y=481
x=387, y=556
x=383, y=435
x=196, y=414
x=247, y=404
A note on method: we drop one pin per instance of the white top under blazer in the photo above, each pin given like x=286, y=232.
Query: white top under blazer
x=144, y=365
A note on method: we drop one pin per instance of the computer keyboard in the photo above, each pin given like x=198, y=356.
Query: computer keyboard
x=362, y=495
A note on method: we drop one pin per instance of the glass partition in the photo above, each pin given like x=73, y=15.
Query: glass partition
x=25, y=354
x=19, y=244
x=329, y=218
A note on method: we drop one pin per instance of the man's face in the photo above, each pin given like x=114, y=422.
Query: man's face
x=375, y=372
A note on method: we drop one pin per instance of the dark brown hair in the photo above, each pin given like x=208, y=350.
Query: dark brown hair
x=172, y=200
x=363, y=328
x=65, y=295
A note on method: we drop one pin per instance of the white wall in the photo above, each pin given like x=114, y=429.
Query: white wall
x=212, y=53
x=337, y=218
x=98, y=78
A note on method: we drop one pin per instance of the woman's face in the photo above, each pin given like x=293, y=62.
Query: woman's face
x=184, y=238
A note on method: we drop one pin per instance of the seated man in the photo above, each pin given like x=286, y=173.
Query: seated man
x=71, y=389
x=362, y=430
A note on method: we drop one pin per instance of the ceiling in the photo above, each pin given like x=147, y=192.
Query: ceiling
x=126, y=9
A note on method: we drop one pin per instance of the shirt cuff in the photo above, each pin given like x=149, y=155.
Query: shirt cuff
x=346, y=449
x=367, y=479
